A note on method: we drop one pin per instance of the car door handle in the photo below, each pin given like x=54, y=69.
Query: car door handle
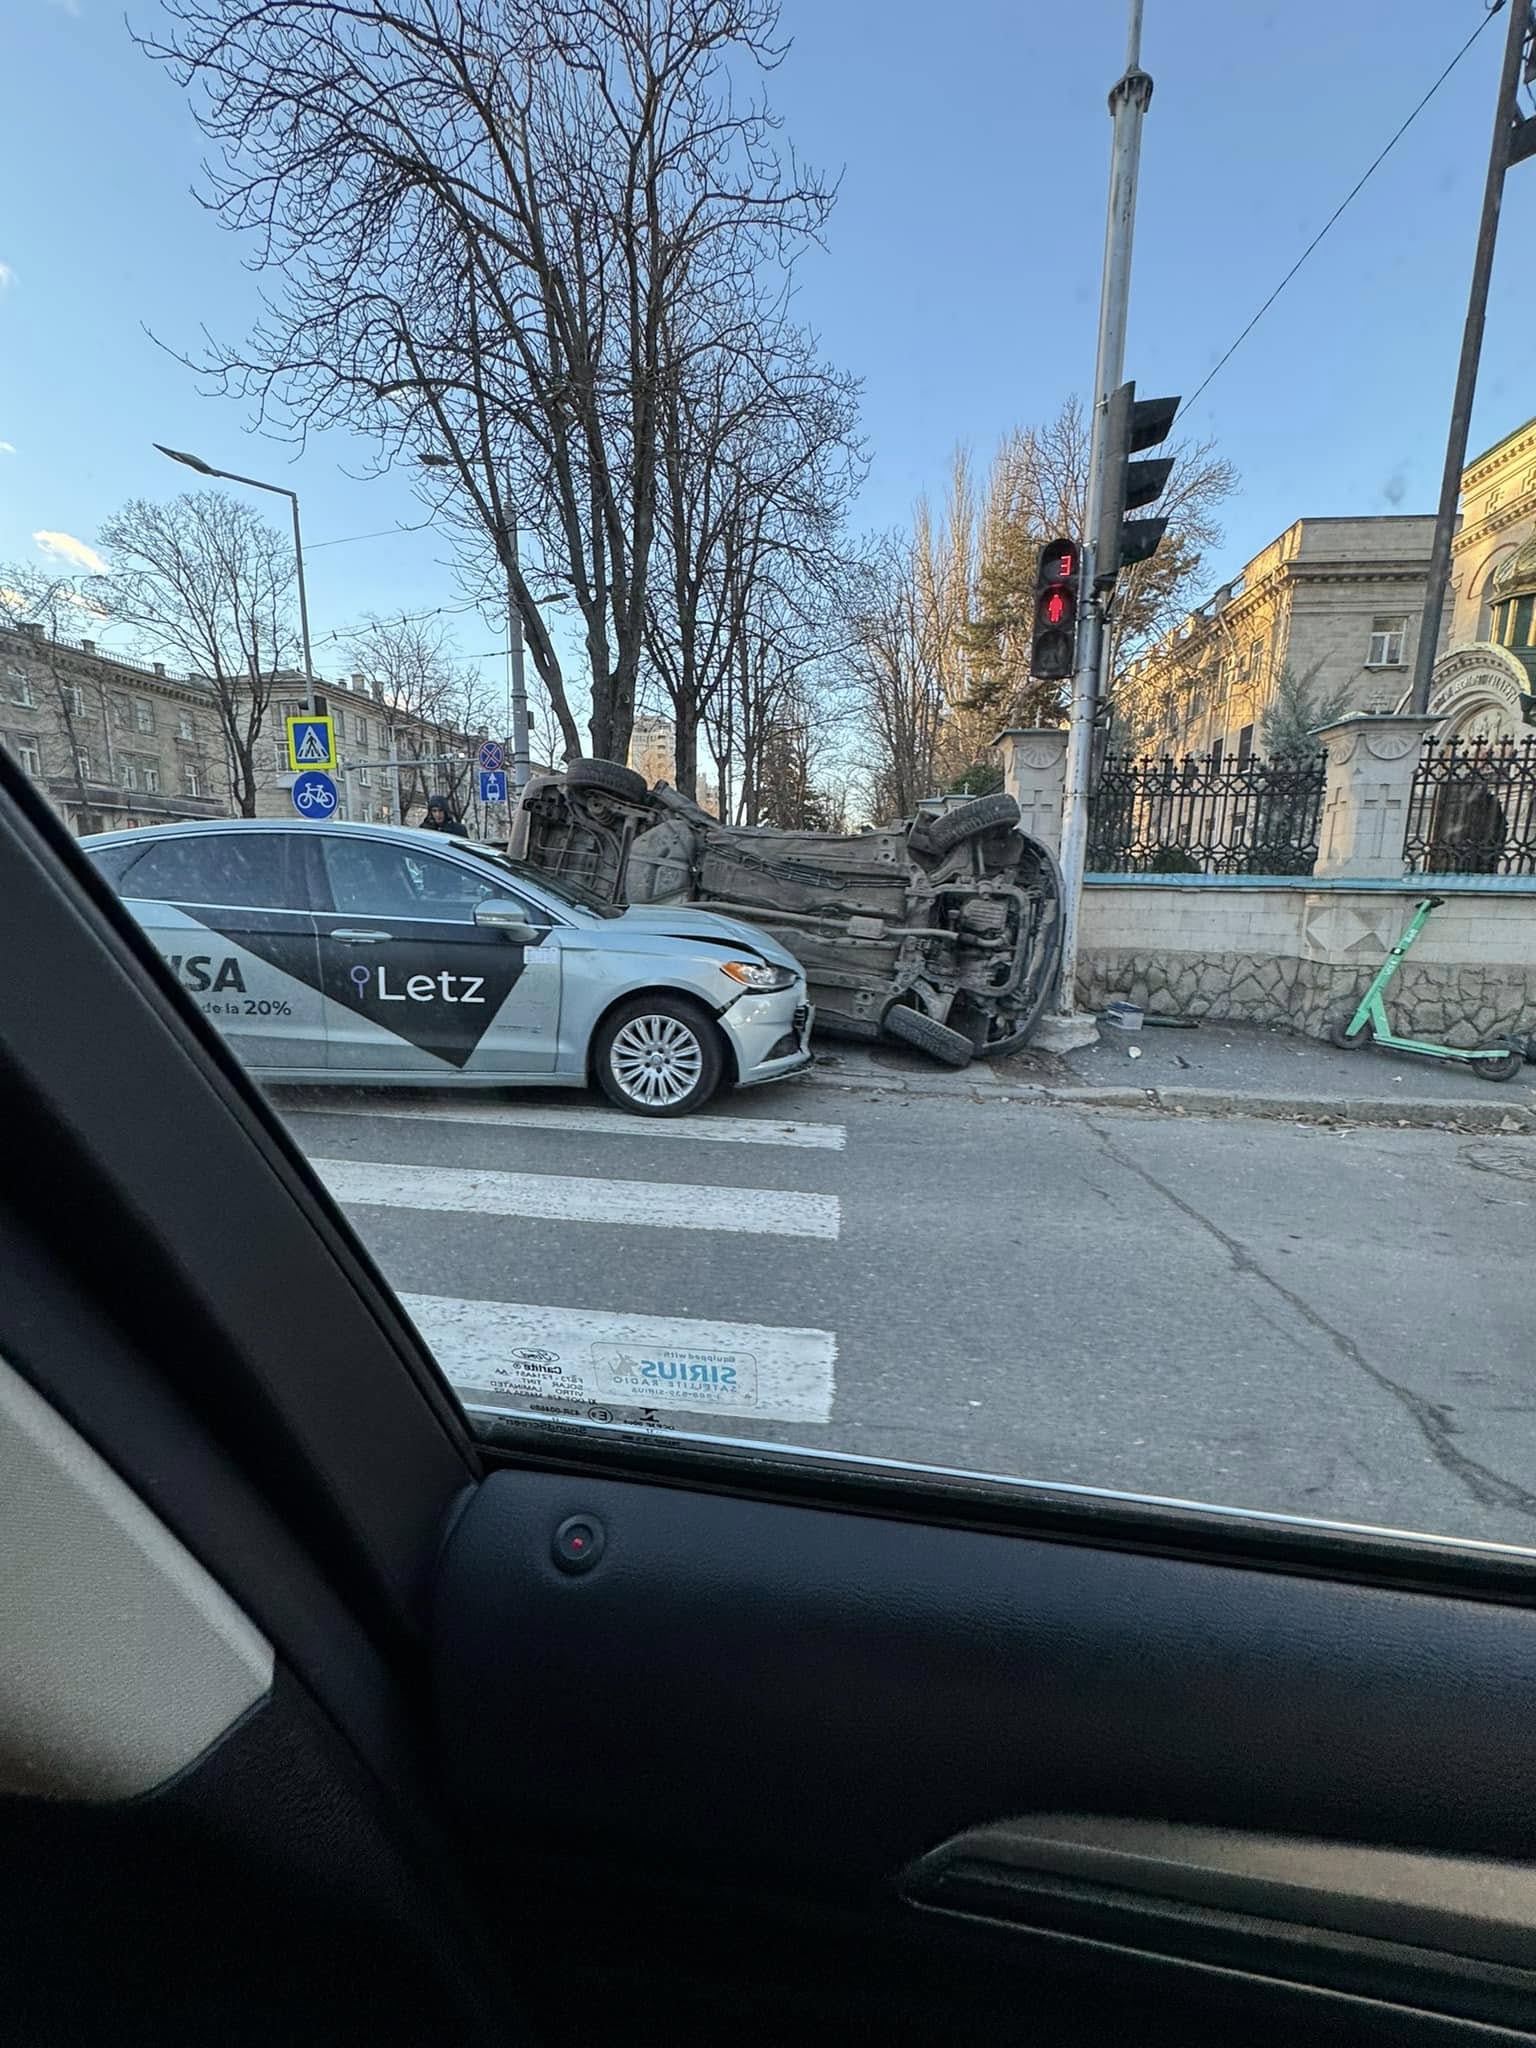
x=353, y=936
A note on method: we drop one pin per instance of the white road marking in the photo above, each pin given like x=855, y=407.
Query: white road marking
x=511, y=1355
x=716, y=1130
x=570, y=1198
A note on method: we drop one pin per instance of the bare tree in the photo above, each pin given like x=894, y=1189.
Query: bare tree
x=489, y=223
x=759, y=464
x=36, y=597
x=897, y=669
x=430, y=701
x=204, y=582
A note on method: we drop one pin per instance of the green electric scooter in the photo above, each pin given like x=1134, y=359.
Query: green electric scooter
x=1370, y=1024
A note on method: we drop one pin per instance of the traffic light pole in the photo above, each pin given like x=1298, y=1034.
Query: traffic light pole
x=1514, y=139
x=1128, y=103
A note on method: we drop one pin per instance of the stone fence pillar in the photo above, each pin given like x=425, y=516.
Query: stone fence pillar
x=1034, y=764
x=1371, y=766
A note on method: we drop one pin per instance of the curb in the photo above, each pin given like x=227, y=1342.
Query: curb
x=1465, y=1113
x=1491, y=1111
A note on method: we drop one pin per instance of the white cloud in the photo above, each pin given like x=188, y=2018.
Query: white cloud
x=70, y=7
x=71, y=550
x=7, y=276
x=7, y=447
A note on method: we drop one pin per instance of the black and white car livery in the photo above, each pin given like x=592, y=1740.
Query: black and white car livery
x=377, y=953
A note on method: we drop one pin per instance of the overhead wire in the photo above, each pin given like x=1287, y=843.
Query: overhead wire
x=1344, y=203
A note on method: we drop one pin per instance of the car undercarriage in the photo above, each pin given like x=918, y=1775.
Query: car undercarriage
x=941, y=931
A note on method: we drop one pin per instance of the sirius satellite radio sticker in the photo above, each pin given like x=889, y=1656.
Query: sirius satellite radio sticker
x=566, y=1361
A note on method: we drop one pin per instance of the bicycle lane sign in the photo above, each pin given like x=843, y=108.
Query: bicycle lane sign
x=314, y=794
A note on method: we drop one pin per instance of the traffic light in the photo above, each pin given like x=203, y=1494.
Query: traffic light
x=1056, y=583
x=1131, y=423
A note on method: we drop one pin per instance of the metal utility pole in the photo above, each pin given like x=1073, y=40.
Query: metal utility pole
x=282, y=491
x=1514, y=139
x=517, y=689
x=1128, y=103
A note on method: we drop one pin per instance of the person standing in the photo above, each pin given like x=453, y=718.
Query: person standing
x=440, y=817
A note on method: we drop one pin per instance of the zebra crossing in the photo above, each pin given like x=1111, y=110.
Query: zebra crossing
x=457, y=1176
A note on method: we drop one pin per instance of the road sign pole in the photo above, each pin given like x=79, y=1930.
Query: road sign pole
x=1128, y=103
x=517, y=687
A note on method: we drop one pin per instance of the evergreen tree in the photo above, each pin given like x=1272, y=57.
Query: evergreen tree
x=1291, y=719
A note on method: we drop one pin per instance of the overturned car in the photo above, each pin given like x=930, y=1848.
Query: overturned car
x=942, y=931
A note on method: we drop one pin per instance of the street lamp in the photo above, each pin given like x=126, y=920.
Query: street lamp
x=206, y=469
x=517, y=688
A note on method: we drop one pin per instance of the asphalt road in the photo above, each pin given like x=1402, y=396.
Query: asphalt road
x=1261, y=1314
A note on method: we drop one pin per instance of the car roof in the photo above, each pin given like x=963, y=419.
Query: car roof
x=409, y=835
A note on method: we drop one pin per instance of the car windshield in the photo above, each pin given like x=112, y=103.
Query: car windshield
x=563, y=887
x=872, y=790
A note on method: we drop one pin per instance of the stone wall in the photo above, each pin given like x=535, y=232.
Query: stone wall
x=1302, y=954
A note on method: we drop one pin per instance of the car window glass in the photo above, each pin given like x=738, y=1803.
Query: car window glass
x=245, y=869
x=377, y=878
x=111, y=861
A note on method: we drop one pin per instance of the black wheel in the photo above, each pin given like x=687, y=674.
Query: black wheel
x=1339, y=1035
x=983, y=814
x=611, y=777
x=658, y=1056
x=914, y=1027
x=1504, y=1069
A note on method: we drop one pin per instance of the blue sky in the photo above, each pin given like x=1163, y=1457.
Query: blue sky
x=960, y=279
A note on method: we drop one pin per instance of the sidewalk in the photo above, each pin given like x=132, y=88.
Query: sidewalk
x=1214, y=1070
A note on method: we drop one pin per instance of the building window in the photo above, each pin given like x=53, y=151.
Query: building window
x=130, y=774
x=1387, y=637
x=365, y=777
x=119, y=709
x=1218, y=748
x=143, y=715
x=83, y=766
x=21, y=686
x=1255, y=660
x=191, y=779
x=29, y=754
x=152, y=779
x=185, y=730
x=339, y=719
x=362, y=731
x=74, y=700
x=1245, y=746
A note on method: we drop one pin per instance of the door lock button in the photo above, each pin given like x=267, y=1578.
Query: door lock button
x=578, y=1543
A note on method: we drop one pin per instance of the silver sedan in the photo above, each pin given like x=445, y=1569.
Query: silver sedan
x=377, y=953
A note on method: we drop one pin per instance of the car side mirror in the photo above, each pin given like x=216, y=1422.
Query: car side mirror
x=510, y=919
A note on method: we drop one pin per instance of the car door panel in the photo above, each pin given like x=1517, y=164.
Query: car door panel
x=412, y=984
x=833, y=1707
x=812, y=1750
x=251, y=967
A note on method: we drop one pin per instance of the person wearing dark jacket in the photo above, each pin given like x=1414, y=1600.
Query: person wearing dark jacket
x=440, y=817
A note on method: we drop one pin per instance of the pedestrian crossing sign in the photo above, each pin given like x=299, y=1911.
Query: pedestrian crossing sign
x=311, y=743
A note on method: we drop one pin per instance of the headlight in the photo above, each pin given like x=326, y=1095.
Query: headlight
x=754, y=974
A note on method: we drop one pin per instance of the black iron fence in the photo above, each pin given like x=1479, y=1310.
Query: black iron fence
x=1205, y=815
x=1472, y=810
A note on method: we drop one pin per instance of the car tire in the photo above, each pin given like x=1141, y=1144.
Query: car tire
x=942, y=835
x=658, y=1056
x=916, y=1028
x=611, y=777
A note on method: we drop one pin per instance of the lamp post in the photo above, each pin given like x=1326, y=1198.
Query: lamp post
x=282, y=491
